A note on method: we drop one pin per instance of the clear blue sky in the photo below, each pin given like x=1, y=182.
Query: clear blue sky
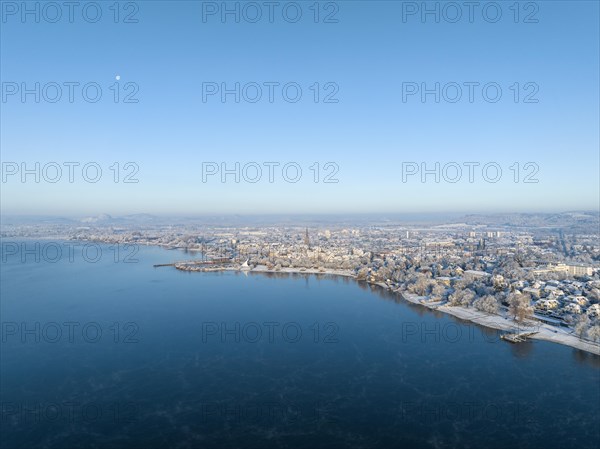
x=369, y=53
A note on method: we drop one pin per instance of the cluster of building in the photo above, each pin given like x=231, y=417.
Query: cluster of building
x=558, y=272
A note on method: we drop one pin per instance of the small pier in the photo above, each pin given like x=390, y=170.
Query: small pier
x=517, y=337
x=212, y=262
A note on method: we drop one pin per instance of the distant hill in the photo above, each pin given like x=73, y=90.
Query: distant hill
x=578, y=221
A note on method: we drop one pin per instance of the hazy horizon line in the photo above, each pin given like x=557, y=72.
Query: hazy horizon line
x=269, y=214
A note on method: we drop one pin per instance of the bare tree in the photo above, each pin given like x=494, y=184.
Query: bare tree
x=594, y=332
x=519, y=306
x=362, y=274
x=421, y=287
x=462, y=297
x=438, y=290
x=581, y=327
x=384, y=273
x=487, y=304
x=594, y=295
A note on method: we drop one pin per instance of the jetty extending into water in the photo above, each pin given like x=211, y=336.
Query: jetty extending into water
x=517, y=337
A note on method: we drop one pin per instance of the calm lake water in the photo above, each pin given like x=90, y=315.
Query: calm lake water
x=114, y=354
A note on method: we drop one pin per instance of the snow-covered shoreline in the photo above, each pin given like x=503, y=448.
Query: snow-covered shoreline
x=543, y=331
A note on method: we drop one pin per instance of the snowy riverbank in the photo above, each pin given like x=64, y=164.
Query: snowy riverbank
x=543, y=331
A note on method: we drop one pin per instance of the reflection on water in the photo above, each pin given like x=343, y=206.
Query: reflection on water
x=395, y=374
x=522, y=350
x=587, y=358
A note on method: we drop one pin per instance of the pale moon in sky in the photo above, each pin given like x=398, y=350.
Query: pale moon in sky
x=118, y=77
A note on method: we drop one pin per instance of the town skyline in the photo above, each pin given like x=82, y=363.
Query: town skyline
x=540, y=270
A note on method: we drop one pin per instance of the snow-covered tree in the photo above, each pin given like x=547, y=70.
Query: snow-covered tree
x=594, y=332
x=519, y=306
x=438, y=290
x=487, y=304
x=462, y=297
x=362, y=274
x=581, y=326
